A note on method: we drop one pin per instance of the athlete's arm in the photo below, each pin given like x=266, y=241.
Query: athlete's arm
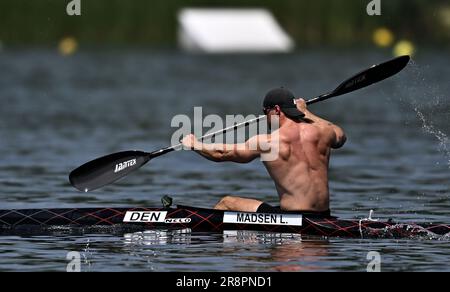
x=341, y=138
x=239, y=153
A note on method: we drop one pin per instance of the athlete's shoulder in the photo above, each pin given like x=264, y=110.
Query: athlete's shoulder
x=310, y=132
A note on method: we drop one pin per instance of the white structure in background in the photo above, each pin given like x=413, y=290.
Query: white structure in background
x=232, y=31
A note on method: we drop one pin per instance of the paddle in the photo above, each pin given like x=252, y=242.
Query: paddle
x=107, y=170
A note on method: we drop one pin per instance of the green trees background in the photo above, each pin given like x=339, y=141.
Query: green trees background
x=153, y=22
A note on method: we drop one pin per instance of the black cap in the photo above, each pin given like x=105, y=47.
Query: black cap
x=285, y=99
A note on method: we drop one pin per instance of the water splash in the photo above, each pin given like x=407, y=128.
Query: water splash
x=427, y=112
x=428, y=127
x=87, y=255
x=404, y=231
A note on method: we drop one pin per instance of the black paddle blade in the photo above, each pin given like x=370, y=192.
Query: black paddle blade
x=366, y=78
x=106, y=170
x=373, y=75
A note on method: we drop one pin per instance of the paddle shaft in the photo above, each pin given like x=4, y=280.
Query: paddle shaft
x=231, y=128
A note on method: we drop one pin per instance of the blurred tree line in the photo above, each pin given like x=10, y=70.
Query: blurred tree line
x=153, y=22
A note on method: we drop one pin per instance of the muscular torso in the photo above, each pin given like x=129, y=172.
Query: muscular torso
x=300, y=171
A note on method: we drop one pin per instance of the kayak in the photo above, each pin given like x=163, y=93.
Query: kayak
x=119, y=220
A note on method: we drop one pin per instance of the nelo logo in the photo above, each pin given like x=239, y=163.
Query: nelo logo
x=125, y=165
x=178, y=220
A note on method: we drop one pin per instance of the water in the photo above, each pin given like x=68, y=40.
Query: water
x=58, y=113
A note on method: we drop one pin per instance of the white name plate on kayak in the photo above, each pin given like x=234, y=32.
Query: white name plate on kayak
x=263, y=219
x=145, y=217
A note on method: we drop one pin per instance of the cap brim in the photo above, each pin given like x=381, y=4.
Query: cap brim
x=293, y=113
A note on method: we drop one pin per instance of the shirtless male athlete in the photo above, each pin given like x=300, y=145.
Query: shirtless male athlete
x=300, y=171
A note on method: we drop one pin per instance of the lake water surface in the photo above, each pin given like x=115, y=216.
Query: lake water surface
x=57, y=113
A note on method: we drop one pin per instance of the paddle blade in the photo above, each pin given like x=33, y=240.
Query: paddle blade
x=106, y=170
x=373, y=75
x=366, y=78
